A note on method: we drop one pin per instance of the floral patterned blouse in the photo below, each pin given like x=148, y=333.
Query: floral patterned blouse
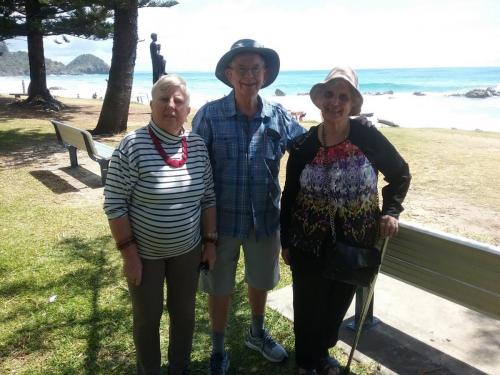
x=334, y=189
x=341, y=185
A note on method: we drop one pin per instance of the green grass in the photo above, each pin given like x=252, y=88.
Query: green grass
x=58, y=244
x=49, y=249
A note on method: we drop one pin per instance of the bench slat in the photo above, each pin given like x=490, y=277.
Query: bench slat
x=74, y=138
x=450, y=259
x=457, y=291
x=103, y=151
x=460, y=270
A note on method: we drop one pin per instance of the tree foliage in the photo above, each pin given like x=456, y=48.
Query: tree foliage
x=36, y=19
x=86, y=19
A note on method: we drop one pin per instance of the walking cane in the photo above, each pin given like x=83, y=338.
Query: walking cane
x=365, y=308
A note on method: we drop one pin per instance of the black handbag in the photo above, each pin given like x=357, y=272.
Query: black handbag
x=351, y=264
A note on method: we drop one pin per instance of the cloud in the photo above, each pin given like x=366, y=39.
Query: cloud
x=316, y=34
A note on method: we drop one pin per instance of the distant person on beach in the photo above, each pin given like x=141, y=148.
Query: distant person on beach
x=246, y=137
x=160, y=202
x=331, y=194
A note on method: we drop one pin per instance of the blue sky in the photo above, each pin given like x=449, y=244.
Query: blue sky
x=312, y=34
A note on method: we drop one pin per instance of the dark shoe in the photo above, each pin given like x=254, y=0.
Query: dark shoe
x=219, y=364
x=327, y=365
x=265, y=345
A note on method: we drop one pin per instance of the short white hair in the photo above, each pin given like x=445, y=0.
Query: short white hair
x=168, y=81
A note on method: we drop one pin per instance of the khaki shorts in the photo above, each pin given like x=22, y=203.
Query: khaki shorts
x=261, y=264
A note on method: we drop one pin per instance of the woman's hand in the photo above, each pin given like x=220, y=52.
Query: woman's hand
x=389, y=226
x=285, y=254
x=209, y=254
x=132, y=265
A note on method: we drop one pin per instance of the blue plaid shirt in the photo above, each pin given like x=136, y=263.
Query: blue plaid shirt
x=245, y=155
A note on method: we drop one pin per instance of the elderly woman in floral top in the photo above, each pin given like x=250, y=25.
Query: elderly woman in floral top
x=331, y=187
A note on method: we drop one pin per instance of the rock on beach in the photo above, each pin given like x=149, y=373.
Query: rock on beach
x=482, y=93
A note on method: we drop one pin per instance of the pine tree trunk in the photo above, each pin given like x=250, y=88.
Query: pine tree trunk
x=114, y=113
x=37, y=90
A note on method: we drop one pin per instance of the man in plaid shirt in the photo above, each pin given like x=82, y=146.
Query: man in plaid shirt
x=246, y=137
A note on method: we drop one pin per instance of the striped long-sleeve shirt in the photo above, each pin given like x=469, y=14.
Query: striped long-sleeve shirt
x=163, y=203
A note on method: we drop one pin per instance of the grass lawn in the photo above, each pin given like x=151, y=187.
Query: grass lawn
x=64, y=305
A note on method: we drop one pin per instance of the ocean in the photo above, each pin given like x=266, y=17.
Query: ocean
x=437, y=108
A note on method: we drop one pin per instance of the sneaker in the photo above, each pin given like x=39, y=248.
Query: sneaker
x=269, y=348
x=328, y=365
x=219, y=364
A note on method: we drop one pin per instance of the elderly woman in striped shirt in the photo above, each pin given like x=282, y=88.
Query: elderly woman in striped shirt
x=160, y=202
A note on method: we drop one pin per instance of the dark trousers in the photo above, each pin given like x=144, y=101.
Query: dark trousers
x=181, y=276
x=319, y=307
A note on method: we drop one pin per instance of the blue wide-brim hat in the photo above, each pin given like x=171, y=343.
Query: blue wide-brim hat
x=249, y=45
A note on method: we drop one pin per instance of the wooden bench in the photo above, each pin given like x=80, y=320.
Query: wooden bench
x=74, y=138
x=455, y=268
x=458, y=269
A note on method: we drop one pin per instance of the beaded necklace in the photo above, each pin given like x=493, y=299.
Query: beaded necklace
x=174, y=163
x=323, y=134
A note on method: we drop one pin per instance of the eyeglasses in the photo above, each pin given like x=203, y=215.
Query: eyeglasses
x=243, y=71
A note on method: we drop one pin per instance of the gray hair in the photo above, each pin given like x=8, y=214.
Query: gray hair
x=167, y=82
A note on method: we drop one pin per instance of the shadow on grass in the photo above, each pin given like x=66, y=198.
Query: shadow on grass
x=54, y=182
x=59, y=185
x=10, y=108
x=90, y=308
x=23, y=146
x=15, y=139
x=89, y=178
x=101, y=317
x=20, y=147
x=88, y=329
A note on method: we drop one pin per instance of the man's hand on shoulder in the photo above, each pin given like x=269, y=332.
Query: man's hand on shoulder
x=363, y=119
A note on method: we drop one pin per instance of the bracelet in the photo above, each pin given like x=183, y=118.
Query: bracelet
x=122, y=245
x=210, y=237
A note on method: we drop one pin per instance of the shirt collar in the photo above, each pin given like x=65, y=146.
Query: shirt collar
x=164, y=136
x=229, y=106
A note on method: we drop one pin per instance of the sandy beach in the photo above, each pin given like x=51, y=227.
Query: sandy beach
x=431, y=110
x=410, y=111
x=404, y=110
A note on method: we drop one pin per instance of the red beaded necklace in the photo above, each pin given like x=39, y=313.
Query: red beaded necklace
x=174, y=163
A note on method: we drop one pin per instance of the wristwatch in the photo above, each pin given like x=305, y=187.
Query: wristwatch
x=210, y=237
